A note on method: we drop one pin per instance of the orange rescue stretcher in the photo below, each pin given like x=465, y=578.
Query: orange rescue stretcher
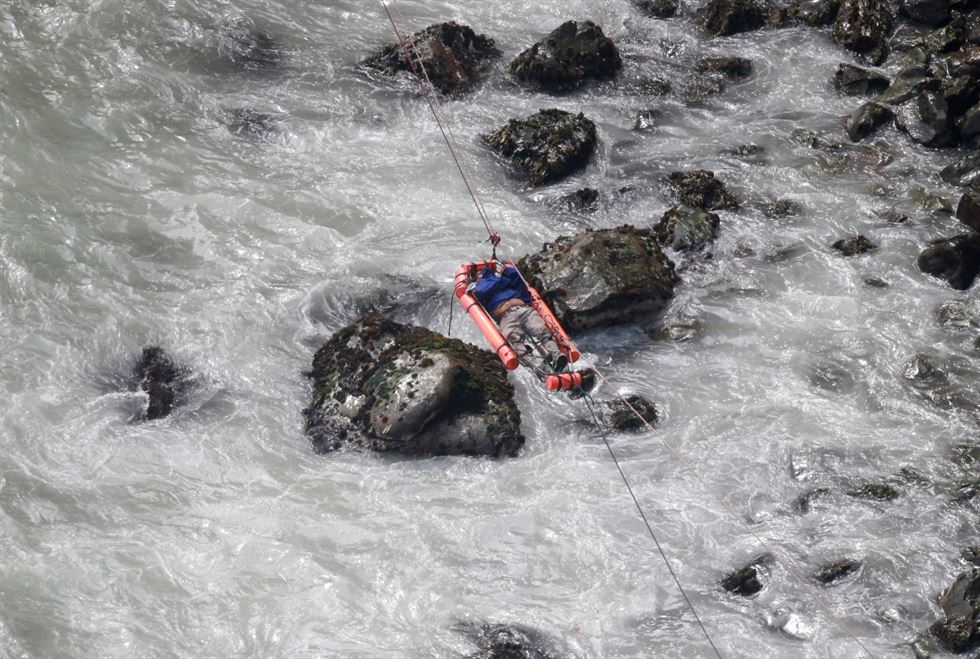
x=467, y=274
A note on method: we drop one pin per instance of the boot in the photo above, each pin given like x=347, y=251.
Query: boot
x=556, y=362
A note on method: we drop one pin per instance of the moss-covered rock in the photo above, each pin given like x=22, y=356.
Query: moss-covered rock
x=453, y=55
x=393, y=387
x=571, y=54
x=602, y=278
x=547, y=146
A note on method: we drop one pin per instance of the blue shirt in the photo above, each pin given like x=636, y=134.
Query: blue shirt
x=491, y=290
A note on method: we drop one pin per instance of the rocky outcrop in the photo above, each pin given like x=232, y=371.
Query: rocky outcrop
x=602, y=278
x=391, y=387
x=724, y=17
x=573, y=53
x=700, y=188
x=960, y=630
x=162, y=380
x=547, y=146
x=621, y=413
x=854, y=245
x=863, y=26
x=956, y=259
x=859, y=81
x=837, y=570
x=453, y=55
x=685, y=227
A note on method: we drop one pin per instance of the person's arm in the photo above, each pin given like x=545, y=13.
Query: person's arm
x=516, y=282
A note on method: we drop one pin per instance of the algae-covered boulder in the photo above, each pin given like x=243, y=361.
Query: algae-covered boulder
x=863, y=26
x=725, y=17
x=956, y=259
x=960, y=630
x=686, y=227
x=162, y=379
x=393, y=387
x=571, y=54
x=602, y=278
x=453, y=55
x=547, y=146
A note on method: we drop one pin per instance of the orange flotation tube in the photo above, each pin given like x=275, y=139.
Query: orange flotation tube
x=465, y=275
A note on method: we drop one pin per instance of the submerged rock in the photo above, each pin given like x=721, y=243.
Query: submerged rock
x=863, y=26
x=854, y=245
x=814, y=13
x=393, y=387
x=253, y=126
x=747, y=581
x=509, y=641
x=859, y=81
x=964, y=172
x=960, y=630
x=686, y=228
x=700, y=188
x=875, y=492
x=657, y=8
x=724, y=17
x=956, y=259
x=585, y=200
x=837, y=570
x=547, y=146
x=602, y=278
x=727, y=65
x=621, y=413
x=162, y=379
x=971, y=555
x=453, y=55
x=252, y=49
x=573, y=53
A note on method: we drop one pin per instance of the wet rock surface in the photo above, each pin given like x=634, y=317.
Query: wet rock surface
x=686, y=228
x=602, y=278
x=864, y=121
x=453, y=55
x=813, y=13
x=725, y=17
x=657, y=8
x=726, y=65
x=621, y=413
x=859, y=81
x=252, y=49
x=509, y=641
x=854, y=245
x=956, y=259
x=585, y=200
x=547, y=146
x=162, y=379
x=863, y=26
x=875, y=492
x=968, y=209
x=963, y=172
x=391, y=387
x=837, y=570
x=700, y=189
x=747, y=581
x=571, y=54
x=253, y=126
x=960, y=630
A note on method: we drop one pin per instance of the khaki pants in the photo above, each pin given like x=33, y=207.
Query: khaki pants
x=530, y=338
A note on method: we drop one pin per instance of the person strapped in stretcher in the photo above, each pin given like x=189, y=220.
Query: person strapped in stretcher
x=502, y=292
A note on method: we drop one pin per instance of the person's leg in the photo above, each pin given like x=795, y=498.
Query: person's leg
x=535, y=327
x=514, y=328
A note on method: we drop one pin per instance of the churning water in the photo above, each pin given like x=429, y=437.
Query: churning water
x=131, y=215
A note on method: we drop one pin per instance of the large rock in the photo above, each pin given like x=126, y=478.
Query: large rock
x=724, y=17
x=859, y=81
x=547, y=146
x=602, y=278
x=393, y=387
x=453, y=55
x=574, y=52
x=686, y=228
x=926, y=119
x=864, y=121
x=968, y=210
x=956, y=259
x=960, y=630
x=700, y=188
x=162, y=380
x=863, y=26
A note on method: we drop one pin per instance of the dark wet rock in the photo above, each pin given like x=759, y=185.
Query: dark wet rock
x=906, y=89
x=621, y=413
x=547, y=146
x=602, y=278
x=854, y=245
x=161, y=379
x=804, y=502
x=252, y=49
x=646, y=119
x=727, y=65
x=509, y=641
x=923, y=374
x=960, y=630
x=647, y=87
x=863, y=26
x=814, y=13
x=392, y=387
x=859, y=81
x=573, y=53
x=700, y=188
x=892, y=216
x=926, y=119
x=702, y=87
x=724, y=17
x=837, y=570
x=971, y=555
x=866, y=120
x=745, y=151
x=875, y=492
x=678, y=329
x=747, y=581
x=967, y=490
x=956, y=259
x=969, y=123
x=944, y=40
x=961, y=94
x=585, y=200
x=657, y=8
x=910, y=476
x=876, y=282
x=968, y=210
x=963, y=63
x=781, y=208
x=685, y=227
x=931, y=202
x=454, y=56
x=253, y=126
x=811, y=140
x=965, y=171
x=927, y=12
x=957, y=314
